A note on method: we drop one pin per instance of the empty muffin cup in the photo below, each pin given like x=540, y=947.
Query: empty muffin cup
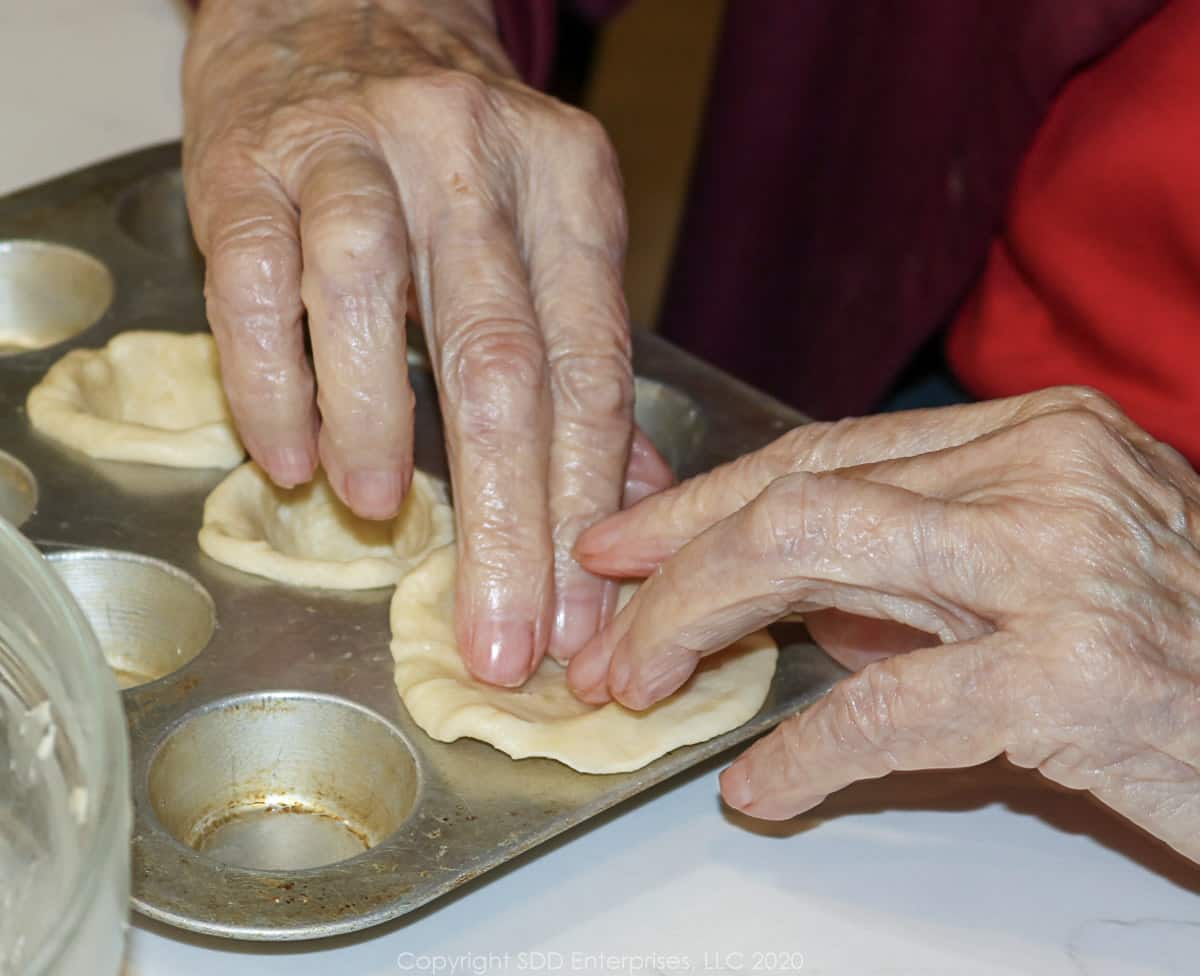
x=48, y=293
x=150, y=618
x=282, y=781
x=18, y=490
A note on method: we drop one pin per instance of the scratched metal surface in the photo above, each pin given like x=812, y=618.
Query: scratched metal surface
x=474, y=808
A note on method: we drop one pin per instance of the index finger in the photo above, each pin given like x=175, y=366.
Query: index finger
x=634, y=542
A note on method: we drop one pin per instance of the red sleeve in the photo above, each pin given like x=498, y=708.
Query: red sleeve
x=1093, y=278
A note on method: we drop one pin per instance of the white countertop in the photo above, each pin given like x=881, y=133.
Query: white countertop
x=985, y=871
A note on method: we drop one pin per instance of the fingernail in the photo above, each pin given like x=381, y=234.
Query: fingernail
x=619, y=671
x=588, y=673
x=600, y=538
x=662, y=677
x=604, y=549
x=373, y=493
x=666, y=678
x=575, y=623
x=635, y=491
x=501, y=652
x=736, y=788
x=289, y=466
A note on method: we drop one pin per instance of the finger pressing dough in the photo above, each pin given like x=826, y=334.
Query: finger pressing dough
x=305, y=536
x=543, y=718
x=150, y=397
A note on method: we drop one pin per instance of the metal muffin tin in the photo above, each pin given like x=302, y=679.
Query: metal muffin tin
x=274, y=742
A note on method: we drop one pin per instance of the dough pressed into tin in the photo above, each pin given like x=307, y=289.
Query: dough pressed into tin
x=542, y=718
x=147, y=397
x=305, y=536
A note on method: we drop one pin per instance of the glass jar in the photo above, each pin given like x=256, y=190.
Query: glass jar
x=65, y=814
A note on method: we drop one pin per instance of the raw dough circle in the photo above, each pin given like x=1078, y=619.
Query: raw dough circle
x=306, y=537
x=543, y=718
x=149, y=397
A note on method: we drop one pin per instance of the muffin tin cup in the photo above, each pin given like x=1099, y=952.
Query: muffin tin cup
x=281, y=790
x=150, y=618
x=18, y=490
x=282, y=781
x=48, y=294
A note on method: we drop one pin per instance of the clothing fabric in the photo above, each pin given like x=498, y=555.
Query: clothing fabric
x=853, y=169
x=527, y=28
x=1095, y=277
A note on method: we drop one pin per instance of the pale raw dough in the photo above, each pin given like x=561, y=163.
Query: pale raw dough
x=149, y=397
x=306, y=537
x=543, y=718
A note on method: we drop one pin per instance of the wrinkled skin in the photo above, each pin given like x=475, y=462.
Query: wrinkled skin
x=1019, y=577
x=343, y=157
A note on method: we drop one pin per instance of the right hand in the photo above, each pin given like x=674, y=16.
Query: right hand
x=337, y=153
x=1017, y=577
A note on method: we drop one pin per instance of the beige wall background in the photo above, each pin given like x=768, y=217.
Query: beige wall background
x=649, y=86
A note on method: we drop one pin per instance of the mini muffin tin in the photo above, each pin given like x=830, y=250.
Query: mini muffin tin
x=280, y=789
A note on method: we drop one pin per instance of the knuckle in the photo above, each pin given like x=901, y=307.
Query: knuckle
x=502, y=352
x=946, y=544
x=460, y=90
x=1069, y=765
x=579, y=171
x=821, y=446
x=818, y=445
x=596, y=389
x=251, y=274
x=1089, y=398
x=779, y=525
x=1175, y=506
x=866, y=719
x=1072, y=428
x=792, y=740
x=1123, y=473
x=449, y=97
x=449, y=124
x=1057, y=399
x=787, y=454
x=353, y=229
x=490, y=370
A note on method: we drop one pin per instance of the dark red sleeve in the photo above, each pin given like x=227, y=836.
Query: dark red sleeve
x=527, y=29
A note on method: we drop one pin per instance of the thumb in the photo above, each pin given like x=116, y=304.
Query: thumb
x=937, y=708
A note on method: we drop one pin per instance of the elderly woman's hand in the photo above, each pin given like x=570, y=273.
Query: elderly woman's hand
x=1047, y=541
x=337, y=153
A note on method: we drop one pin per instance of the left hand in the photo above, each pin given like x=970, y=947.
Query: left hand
x=1018, y=577
x=340, y=157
